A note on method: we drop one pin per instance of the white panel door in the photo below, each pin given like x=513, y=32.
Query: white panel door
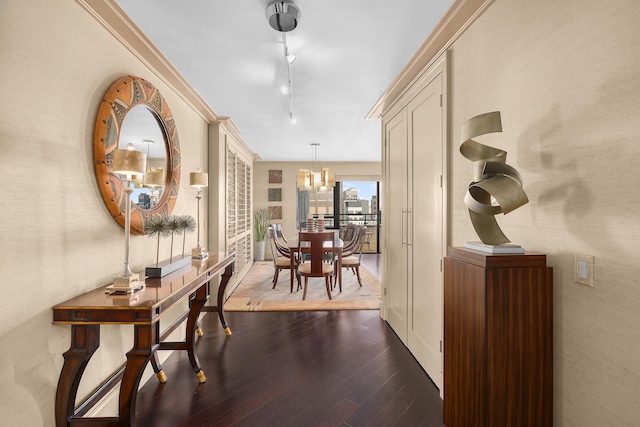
x=426, y=137
x=396, y=224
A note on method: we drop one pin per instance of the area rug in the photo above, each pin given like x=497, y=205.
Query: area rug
x=255, y=292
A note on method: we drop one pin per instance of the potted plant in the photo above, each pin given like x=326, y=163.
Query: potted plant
x=261, y=222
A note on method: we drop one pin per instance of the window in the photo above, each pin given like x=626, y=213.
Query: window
x=239, y=209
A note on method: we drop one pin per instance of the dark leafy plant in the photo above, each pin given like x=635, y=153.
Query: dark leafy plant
x=157, y=226
x=188, y=225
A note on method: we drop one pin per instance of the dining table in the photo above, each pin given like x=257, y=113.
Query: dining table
x=338, y=244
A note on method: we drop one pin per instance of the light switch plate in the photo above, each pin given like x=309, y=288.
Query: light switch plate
x=583, y=269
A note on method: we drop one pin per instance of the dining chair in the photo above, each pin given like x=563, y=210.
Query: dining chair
x=277, y=228
x=351, y=258
x=316, y=244
x=280, y=260
x=279, y=238
x=349, y=234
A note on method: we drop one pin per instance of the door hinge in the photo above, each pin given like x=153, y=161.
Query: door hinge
x=441, y=100
x=440, y=346
x=440, y=265
x=385, y=291
x=440, y=181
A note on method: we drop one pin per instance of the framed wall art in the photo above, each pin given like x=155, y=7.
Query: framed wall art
x=275, y=194
x=275, y=176
x=275, y=212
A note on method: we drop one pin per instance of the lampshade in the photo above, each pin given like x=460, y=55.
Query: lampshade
x=316, y=180
x=198, y=179
x=308, y=180
x=154, y=177
x=303, y=179
x=128, y=162
x=328, y=177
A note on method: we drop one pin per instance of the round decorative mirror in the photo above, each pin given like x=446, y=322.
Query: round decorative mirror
x=133, y=114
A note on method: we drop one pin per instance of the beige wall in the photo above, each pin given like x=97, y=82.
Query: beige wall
x=58, y=239
x=353, y=171
x=565, y=77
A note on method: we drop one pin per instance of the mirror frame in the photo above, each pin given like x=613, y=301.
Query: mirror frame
x=124, y=94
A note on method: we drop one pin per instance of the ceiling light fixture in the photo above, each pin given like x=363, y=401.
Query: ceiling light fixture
x=284, y=16
x=308, y=179
x=288, y=63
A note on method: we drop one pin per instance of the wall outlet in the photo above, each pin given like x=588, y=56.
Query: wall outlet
x=583, y=269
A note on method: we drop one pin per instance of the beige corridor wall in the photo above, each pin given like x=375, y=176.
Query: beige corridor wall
x=58, y=239
x=565, y=76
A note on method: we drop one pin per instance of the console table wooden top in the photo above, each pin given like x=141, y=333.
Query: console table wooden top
x=144, y=306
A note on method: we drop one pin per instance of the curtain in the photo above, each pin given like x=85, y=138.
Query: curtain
x=302, y=209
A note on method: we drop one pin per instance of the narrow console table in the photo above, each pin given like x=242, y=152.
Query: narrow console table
x=143, y=310
x=498, y=339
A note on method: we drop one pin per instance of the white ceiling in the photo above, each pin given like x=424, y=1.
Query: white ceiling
x=347, y=54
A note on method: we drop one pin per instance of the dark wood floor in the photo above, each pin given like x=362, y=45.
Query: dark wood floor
x=339, y=368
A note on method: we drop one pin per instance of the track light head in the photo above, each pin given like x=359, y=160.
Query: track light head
x=283, y=15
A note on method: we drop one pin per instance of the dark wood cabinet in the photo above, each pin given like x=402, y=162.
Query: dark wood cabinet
x=498, y=339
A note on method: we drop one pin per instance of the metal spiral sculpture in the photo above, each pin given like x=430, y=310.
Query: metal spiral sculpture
x=496, y=186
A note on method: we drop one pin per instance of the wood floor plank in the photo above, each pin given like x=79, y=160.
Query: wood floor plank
x=340, y=412
x=340, y=368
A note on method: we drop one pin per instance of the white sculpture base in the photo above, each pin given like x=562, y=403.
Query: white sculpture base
x=199, y=253
x=507, y=248
x=123, y=281
x=125, y=285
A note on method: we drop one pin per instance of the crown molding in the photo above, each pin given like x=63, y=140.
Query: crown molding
x=115, y=20
x=459, y=17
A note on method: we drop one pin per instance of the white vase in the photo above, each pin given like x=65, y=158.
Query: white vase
x=258, y=251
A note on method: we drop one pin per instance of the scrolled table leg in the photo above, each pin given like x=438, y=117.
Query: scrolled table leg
x=228, y=272
x=143, y=348
x=162, y=377
x=201, y=377
x=85, y=340
x=198, y=300
x=157, y=368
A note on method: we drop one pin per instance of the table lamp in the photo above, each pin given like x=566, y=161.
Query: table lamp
x=127, y=163
x=154, y=179
x=198, y=180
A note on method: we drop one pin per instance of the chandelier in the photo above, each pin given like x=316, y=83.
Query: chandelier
x=309, y=179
